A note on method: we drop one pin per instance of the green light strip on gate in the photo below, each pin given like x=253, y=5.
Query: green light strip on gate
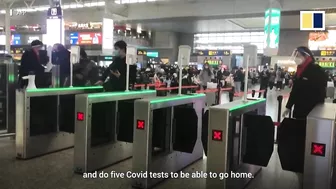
x=249, y=103
x=175, y=98
x=62, y=89
x=100, y=95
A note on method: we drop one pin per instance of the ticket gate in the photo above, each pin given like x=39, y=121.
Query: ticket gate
x=104, y=128
x=240, y=140
x=167, y=135
x=45, y=119
x=319, y=158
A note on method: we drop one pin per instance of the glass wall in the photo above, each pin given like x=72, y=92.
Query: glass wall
x=233, y=41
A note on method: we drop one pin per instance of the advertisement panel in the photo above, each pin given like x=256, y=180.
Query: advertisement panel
x=89, y=38
x=16, y=39
x=74, y=38
x=322, y=40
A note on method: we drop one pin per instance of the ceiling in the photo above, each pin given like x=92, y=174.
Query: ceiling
x=197, y=25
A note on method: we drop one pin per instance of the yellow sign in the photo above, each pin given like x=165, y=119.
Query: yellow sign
x=328, y=53
x=327, y=64
x=213, y=53
x=141, y=52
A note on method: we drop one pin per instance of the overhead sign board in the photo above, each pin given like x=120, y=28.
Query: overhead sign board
x=214, y=53
x=326, y=64
x=326, y=53
x=142, y=52
x=54, y=13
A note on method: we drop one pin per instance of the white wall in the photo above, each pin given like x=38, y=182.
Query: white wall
x=290, y=39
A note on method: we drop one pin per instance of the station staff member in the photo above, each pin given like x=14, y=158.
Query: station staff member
x=309, y=85
x=117, y=70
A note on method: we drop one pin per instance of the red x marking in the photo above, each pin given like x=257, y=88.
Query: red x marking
x=217, y=135
x=80, y=116
x=318, y=149
x=140, y=124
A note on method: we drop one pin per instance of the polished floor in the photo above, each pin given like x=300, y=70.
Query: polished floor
x=55, y=171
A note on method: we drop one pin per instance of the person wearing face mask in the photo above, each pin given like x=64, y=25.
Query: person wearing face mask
x=264, y=79
x=117, y=70
x=309, y=85
x=206, y=75
x=32, y=62
x=222, y=74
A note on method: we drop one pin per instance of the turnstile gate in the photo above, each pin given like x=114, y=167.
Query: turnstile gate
x=240, y=140
x=104, y=128
x=319, y=159
x=45, y=119
x=166, y=136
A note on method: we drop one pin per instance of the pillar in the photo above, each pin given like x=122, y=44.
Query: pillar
x=7, y=30
x=55, y=24
x=272, y=28
x=108, y=27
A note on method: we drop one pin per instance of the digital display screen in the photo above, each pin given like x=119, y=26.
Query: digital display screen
x=16, y=39
x=89, y=38
x=74, y=38
x=213, y=61
x=214, y=53
x=153, y=54
x=141, y=52
x=326, y=64
x=330, y=53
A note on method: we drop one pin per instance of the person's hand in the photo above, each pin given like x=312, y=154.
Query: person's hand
x=286, y=112
x=116, y=73
x=99, y=83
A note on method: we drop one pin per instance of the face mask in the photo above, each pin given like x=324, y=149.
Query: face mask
x=206, y=67
x=298, y=61
x=116, y=53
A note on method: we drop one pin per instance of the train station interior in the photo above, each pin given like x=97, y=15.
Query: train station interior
x=183, y=94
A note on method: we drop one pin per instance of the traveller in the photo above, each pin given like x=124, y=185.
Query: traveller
x=86, y=72
x=279, y=77
x=206, y=75
x=117, y=70
x=309, y=85
x=61, y=56
x=32, y=62
x=272, y=78
x=264, y=79
x=238, y=78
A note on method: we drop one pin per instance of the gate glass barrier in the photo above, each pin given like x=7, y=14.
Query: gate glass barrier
x=104, y=128
x=45, y=119
x=8, y=84
x=167, y=137
x=291, y=144
x=240, y=140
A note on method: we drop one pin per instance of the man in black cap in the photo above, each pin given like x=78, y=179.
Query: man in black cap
x=32, y=62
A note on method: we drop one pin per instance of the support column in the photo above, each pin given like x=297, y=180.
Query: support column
x=108, y=27
x=55, y=24
x=7, y=29
x=272, y=28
